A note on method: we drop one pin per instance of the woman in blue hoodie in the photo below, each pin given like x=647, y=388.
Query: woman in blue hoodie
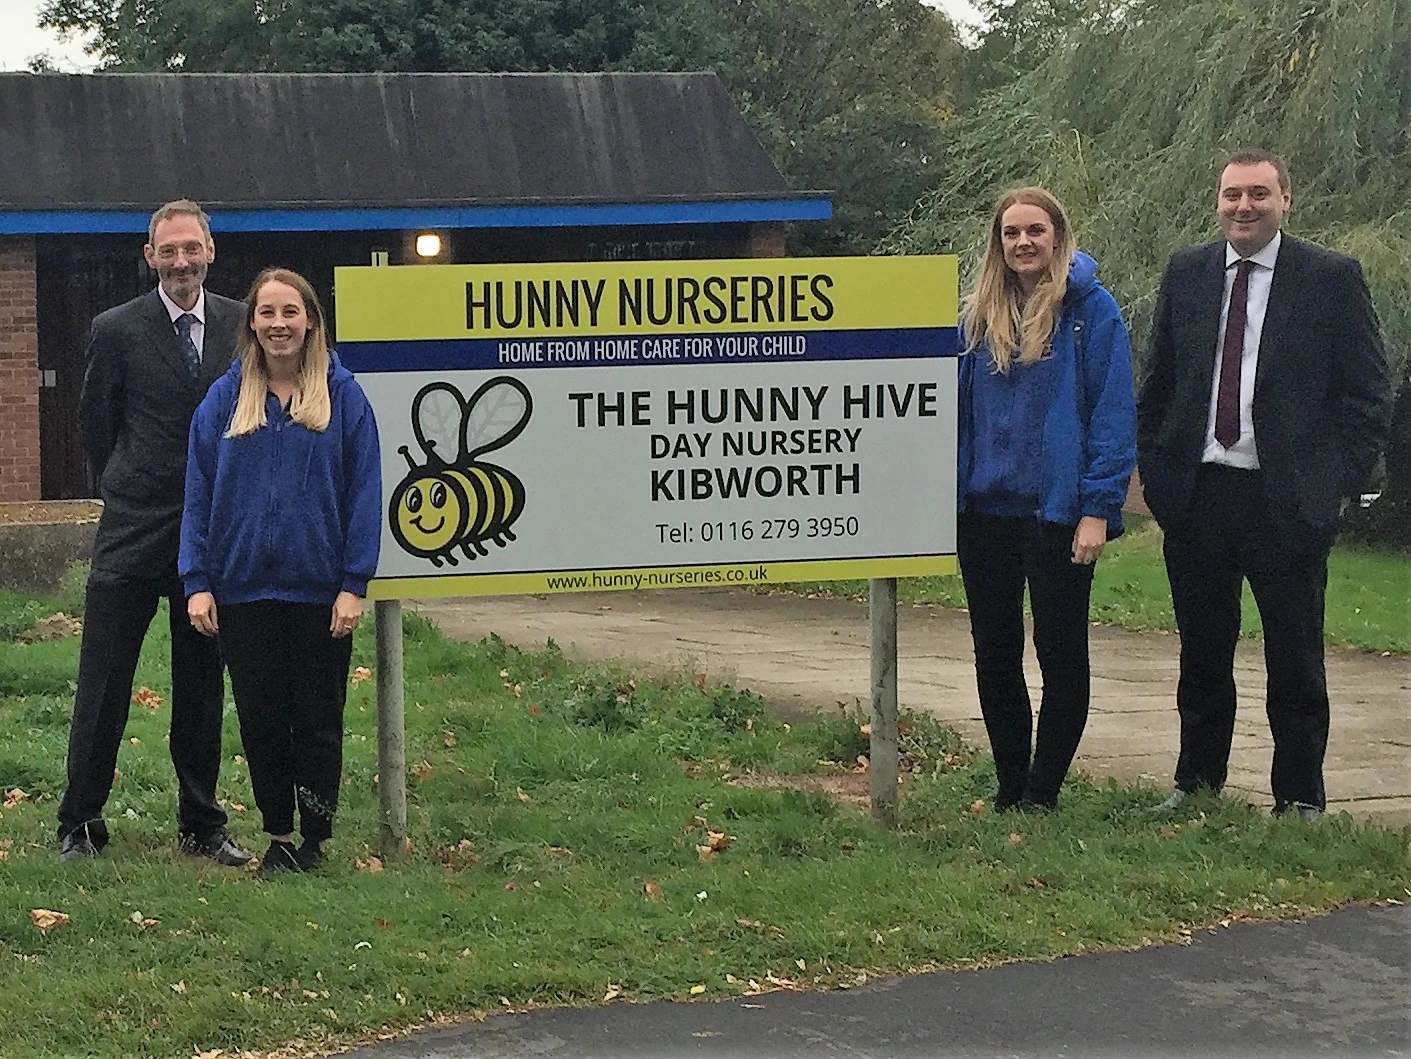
x=1047, y=443
x=279, y=537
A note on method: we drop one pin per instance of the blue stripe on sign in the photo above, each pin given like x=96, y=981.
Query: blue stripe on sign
x=485, y=354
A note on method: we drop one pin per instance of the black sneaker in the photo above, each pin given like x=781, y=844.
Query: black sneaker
x=280, y=857
x=310, y=855
x=218, y=846
x=84, y=841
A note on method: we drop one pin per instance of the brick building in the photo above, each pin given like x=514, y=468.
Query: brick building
x=313, y=171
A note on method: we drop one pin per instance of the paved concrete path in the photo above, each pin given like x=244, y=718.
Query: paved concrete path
x=1337, y=986
x=807, y=653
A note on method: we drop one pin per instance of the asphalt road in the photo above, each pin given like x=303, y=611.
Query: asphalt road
x=1335, y=986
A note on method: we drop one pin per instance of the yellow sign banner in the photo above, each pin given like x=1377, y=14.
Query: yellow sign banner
x=431, y=302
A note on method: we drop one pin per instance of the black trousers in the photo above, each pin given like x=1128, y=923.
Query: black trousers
x=1228, y=537
x=116, y=616
x=998, y=556
x=290, y=678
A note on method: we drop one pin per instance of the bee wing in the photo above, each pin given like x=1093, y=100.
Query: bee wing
x=438, y=410
x=495, y=415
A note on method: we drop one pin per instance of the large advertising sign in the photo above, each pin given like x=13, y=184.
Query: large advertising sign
x=663, y=424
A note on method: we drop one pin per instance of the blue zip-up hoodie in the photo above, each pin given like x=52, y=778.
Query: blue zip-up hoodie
x=1089, y=443
x=285, y=513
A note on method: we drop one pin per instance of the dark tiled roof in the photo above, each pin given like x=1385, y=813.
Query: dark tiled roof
x=323, y=141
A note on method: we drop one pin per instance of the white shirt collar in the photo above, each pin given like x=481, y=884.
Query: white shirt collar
x=173, y=310
x=1266, y=256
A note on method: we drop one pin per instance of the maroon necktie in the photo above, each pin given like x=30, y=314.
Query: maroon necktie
x=1227, y=405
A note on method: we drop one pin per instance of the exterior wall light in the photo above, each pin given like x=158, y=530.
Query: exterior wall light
x=428, y=244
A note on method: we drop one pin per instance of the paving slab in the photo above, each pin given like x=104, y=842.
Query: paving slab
x=806, y=653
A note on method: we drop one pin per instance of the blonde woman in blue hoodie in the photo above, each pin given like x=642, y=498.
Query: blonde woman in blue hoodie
x=1047, y=444
x=279, y=538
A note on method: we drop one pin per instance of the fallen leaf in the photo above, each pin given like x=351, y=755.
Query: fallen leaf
x=611, y=994
x=697, y=990
x=372, y=864
x=863, y=764
x=865, y=731
x=652, y=889
x=1015, y=838
x=360, y=674
x=699, y=679
x=46, y=919
x=383, y=924
x=14, y=796
x=763, y=928
x=421, y=770
x=147, y=698
x=719, y=841
x=801, y=965
x=134, y=741
x=977, y=807
x=511, y=886
x=705, y=852
x=519, y=793
x=449, y=738
x=558, y=851
x=179, y=987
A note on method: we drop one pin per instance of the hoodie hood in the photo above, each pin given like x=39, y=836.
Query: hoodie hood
x=1082, y=277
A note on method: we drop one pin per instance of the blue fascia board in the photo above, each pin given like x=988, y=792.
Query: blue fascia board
x=579, y=215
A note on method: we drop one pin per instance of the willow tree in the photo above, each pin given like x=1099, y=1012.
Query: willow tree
x=1133, y=112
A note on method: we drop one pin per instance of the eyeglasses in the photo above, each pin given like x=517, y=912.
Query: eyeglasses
x=169, y=251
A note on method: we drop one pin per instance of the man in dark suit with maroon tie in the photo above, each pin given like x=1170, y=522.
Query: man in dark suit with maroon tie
x=149, y=363
x=1265, y=404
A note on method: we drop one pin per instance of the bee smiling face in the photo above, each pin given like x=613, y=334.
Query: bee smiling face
x=429, y=512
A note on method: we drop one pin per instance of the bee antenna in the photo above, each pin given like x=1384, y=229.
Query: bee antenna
x=408, y=454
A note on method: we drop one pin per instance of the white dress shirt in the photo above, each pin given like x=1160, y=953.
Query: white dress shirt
x=198, y=329
x=1244, y=454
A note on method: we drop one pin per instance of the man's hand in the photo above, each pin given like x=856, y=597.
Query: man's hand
x=1089, y=539
x=201, y=609
x=347, y=612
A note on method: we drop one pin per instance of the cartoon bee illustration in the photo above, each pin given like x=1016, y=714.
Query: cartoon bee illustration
x=460, y=501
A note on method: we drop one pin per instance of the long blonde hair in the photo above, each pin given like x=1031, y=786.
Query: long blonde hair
x=996, y=312
x=310, y=406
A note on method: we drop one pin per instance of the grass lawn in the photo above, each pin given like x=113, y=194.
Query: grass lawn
x=1368, y=599
x=557, y=815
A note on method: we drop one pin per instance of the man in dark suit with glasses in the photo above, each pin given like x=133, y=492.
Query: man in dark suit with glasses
x=149, y=363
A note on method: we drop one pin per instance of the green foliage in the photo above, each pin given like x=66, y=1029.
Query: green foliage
x=18, y=613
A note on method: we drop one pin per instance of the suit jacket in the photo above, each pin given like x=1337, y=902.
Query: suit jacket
x=1322, y=389
x=135, y=413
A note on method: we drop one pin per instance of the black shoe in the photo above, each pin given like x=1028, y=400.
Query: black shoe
x=1005, y=803
x=218, y=846
x=280, y=857
x=310, y=855
x=84, y=841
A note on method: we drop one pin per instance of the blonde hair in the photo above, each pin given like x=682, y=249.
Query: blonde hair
x=310, y=406
x=996, y=312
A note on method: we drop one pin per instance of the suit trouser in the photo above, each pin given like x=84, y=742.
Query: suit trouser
x=115, y=620
x=290, y=678
x=997, y=556
x=1227, y=537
